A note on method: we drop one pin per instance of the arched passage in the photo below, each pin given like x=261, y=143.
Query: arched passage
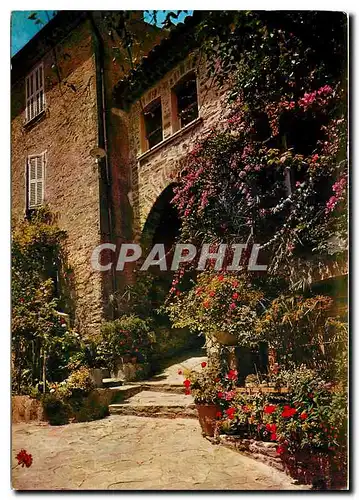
x=163, y=223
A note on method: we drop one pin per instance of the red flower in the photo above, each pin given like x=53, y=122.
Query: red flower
x=187, y=392
x=271, y=428
x=219, y=414
x=273, y=437
x=212, y=293
x=21, y=300
x=206, y=304
x=315, y=158
x=232, y=375
x=303, y=415
x=232, y=306
x=235, y=296
x=203, y=364
x=220, y=277
x=245, y=409
x=230, y=413
x=24, y=458
x=270, y=409
x=179, y=372
x=288, y=411
x=220, y=395
x=235, y=283
x=187, y=383
x=280, y=449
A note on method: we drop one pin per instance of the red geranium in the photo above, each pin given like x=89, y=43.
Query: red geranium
x=187, y=383
x=219, y=414
x=303, y=415
x=288, y=411
x=273, y=437
x=23, y=458
x=235, y=296
x=203, y=364
x=230, y=413
x=271, y=428
x=232, y=375
x=220, y=395
x=270, y=409
x=281, y=449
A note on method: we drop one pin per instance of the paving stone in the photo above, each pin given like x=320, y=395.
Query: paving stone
x=134, y=453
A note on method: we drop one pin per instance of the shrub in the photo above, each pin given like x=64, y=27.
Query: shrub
x=80, y=382
x=127, y=336
x=218, y=302
x=56, y=409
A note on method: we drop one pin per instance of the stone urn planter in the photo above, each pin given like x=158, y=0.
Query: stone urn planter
x=207, y=418
x=226, y=338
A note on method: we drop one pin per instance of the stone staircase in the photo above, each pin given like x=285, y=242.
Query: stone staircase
x=161, y=396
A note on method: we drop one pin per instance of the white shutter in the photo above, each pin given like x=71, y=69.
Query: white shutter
x=36, y=180
x=35, y=93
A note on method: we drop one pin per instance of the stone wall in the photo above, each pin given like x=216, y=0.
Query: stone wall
x=152, y=171
x=67, y=131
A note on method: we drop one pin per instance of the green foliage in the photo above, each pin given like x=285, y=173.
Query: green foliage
x=312, y=416
x=203, y=385
x=302, y=331
x=128, y=336
x=80, y=382
x=39, y=334
x=219, y=303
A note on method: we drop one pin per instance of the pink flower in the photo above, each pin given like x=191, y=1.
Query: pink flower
x=232, y=306
x=315, y=158
x=229, y=395
x=232, y=375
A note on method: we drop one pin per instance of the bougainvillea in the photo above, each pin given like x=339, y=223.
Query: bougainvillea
x=275, y=170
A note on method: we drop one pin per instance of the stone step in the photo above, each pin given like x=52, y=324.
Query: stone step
x=158, y=386
x=156, y=404
x=112, y=382
x=123, y=392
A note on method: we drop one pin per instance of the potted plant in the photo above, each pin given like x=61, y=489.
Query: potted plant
x=222, y=306
x=205, y=387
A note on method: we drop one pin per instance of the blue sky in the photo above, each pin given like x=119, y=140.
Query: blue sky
x=23, y=29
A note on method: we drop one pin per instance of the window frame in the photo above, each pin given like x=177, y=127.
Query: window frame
x=145, y=144
x=34, y=107
x=35, y=181
x=176, y=119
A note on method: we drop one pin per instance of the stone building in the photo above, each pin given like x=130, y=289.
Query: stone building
x=71, y=96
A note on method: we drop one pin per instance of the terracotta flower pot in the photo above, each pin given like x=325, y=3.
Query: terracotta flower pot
x=207, y=418
x=226, y=338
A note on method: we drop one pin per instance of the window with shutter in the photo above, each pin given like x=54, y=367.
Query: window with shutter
x=35, y=93
x=36, y=180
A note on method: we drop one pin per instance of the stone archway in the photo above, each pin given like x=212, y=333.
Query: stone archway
x=163, y=223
